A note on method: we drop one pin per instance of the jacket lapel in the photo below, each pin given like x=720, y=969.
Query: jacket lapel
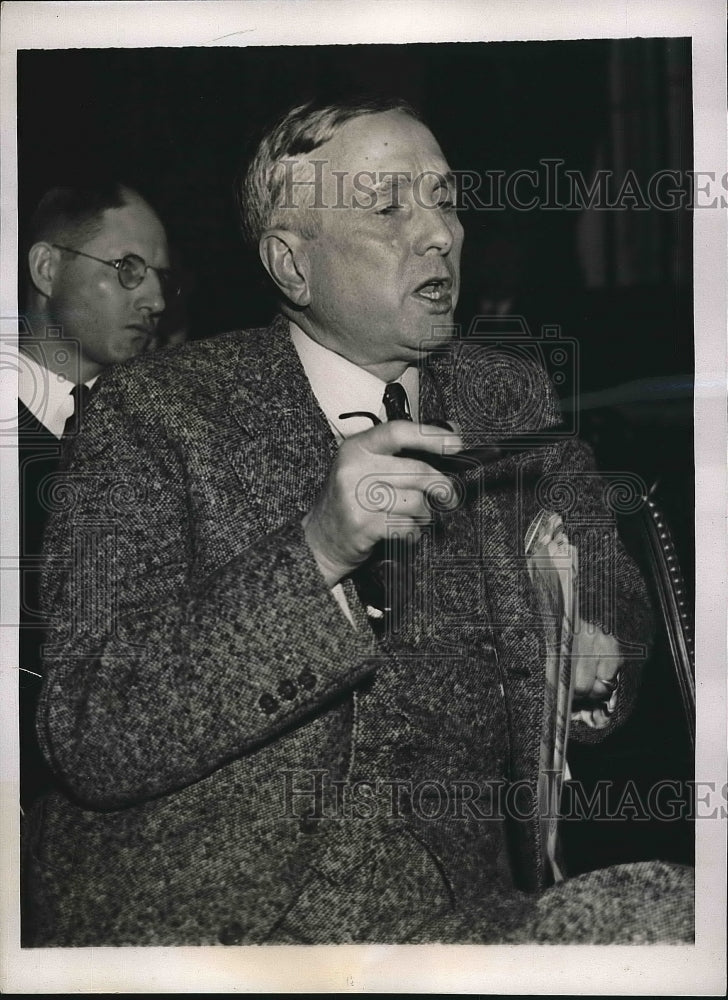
x=280, y=446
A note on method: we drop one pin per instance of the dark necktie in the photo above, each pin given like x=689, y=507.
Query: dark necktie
x=395, y=401
x=381, y=582
x=80, y=394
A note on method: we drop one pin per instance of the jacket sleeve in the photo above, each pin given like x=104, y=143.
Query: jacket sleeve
x=156, y=675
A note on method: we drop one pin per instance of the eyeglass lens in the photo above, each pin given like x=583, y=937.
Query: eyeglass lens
x=133, y=269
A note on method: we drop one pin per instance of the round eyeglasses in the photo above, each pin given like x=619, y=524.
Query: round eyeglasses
x=131, y=269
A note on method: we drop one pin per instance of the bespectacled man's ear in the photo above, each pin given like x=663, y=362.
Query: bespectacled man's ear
x=42, y=263
x=284, y=258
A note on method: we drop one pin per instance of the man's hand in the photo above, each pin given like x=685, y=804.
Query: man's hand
x=370, y=482
x=595, y=660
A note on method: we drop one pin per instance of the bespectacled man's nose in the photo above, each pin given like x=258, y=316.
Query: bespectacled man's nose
x=150, y=293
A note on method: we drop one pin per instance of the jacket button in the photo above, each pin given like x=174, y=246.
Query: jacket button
x=307, y=680
x=287, y=690
x=231, y=934
x=268, y=703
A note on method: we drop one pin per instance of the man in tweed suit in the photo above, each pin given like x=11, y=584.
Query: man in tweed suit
x=250, y=753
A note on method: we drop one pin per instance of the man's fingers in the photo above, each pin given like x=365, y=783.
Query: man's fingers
x=596, y=659
x=377, y=492
x=411, y=503
x=371, y=481
x=403, y=435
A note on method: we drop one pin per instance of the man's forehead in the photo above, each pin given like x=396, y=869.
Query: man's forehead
x=385, y=141
x=128, y=227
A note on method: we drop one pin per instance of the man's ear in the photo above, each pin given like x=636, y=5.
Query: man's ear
x=42, y=264
x=284, y=258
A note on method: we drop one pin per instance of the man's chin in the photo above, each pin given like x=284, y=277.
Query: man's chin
x=438, y=335
x=134, y=346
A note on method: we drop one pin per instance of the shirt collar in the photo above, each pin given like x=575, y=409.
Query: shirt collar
x=46, y=394
x=340, y=386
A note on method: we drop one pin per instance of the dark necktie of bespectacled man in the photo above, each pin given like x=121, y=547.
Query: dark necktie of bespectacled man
x=80, y=394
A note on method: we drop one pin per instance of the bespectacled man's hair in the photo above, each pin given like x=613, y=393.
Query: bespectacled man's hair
x=73, y=213
x=259, y=192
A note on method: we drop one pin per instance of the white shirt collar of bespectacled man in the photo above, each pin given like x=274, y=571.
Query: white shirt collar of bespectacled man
x=46, y=394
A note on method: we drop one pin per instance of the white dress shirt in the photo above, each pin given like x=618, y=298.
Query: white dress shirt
x=340, y=386
x=46, y=394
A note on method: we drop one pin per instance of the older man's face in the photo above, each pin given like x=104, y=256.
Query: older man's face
x=384, y=269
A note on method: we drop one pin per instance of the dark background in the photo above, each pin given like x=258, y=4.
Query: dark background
x=177, y=123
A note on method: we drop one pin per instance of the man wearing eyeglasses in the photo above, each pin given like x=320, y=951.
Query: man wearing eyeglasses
x=98, y=271
x=252, y=751
x=97, y=284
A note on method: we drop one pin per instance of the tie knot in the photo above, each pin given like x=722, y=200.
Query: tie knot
x=396, y=404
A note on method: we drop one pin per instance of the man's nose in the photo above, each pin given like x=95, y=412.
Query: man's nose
x=438, y=230
x=150, y=293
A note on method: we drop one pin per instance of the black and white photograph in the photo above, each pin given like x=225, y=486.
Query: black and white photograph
x=363, y=446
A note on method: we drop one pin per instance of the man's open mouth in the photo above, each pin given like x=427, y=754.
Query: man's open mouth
x=436, y=289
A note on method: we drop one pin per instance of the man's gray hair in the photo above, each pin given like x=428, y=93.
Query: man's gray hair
x=301, y=130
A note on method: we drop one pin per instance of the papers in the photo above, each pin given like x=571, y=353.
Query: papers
x=553, y=568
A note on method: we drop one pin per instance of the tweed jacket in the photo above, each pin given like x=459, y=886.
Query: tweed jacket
x=39, y=453
x=202, y=685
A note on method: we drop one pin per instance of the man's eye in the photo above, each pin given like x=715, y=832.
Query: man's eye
x=387, y=210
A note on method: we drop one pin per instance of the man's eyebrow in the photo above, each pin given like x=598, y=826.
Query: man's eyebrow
x=392, y=179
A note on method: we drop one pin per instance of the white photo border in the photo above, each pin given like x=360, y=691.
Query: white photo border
x=551, y=970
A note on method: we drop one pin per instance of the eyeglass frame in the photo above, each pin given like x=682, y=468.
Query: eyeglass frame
x=170, y=284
